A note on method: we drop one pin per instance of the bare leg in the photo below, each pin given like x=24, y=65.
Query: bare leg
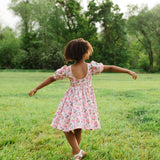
x=77, y=133
x=73, y=142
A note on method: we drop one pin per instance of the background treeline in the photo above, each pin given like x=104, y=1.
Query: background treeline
x=47, y=26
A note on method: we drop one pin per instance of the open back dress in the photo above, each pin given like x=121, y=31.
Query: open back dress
x=78, y=108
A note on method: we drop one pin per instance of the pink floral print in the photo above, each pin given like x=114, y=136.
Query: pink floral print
x=78, y=108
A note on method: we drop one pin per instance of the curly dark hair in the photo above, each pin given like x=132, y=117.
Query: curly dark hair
x=76, y=49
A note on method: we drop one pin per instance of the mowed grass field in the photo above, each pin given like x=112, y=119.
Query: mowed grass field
x=129, y=114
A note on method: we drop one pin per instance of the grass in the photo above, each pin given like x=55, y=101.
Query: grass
x=129, y=113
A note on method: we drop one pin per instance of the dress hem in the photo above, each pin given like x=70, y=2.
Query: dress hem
x=76, y=128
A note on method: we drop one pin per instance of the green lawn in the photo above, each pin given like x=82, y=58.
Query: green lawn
x=129, y=113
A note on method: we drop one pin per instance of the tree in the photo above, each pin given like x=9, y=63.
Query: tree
x=9, y=47
x=113, y=36
x=76, y=24
x=24, y=9
x=141, y=24
x=155, y=29
x=42, y=27
x=51, y=30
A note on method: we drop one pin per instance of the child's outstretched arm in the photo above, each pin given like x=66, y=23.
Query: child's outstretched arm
x=117, y=69
x=41, y=85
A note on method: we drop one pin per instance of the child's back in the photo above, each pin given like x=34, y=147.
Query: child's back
x=79, y=70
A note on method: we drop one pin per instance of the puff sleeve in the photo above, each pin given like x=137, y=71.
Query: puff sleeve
x=61, y=73
x=96, y=68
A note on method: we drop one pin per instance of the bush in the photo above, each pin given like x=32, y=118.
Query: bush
x=143, y=62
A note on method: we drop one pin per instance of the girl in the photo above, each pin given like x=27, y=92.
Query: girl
x=78, y=109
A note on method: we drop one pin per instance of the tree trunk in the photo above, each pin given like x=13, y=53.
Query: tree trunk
x=151, y=61
x=149, y=48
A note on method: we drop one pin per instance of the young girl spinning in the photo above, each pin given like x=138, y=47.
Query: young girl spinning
x=78, y=109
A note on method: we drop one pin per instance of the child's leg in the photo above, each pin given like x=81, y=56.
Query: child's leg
x=77, y=133
x=73, y=142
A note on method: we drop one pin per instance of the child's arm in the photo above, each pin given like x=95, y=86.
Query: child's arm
x=41, y=85
x=119, y=70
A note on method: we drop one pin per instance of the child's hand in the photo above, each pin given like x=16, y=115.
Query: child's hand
x=32, y=92
x=133, y=74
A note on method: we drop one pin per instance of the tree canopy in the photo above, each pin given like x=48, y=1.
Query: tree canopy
x=47, y=26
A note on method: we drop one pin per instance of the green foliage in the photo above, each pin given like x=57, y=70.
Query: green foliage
x=144, y=24
x=77, y=25
x=129, y=115
x=47, y=26
x=155, y=28
x=143, y=62
x=49, y=18
x=113, y=36
x=134, y=50
x=42, y=30
x=9, y=46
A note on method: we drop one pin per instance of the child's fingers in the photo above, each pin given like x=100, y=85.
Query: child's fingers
x=32, y=92
x=134, y=76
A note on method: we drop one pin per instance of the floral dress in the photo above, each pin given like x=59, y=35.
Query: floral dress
x=78, y=108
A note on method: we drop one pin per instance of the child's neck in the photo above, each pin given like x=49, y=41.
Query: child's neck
x=80, y=62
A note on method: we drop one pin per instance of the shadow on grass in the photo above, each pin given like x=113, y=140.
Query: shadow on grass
x=6, y=142
x=145, y=119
